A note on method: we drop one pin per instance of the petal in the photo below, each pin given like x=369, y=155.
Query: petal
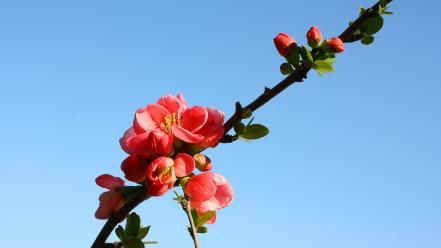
x=157, y=112
x=133, y=143
x=212, y=220
x=160, y=143
x=143, y=122
x=135, y=167
x=193, y=119
x=109, y=182
x=185, y=135
x=184, y=164
x=184, y=104
x=171, y=103
x=110, y=202
x=158, y=164
x=224, y=193
x=201, y=187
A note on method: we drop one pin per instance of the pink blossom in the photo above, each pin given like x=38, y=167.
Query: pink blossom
x=155, y=126
x=112, y=200
x=160, y=176
x=209, y=192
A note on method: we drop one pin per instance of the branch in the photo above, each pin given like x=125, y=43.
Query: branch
x=185, y=203
x=118, y=216
x=297, y=76
x=266, y=96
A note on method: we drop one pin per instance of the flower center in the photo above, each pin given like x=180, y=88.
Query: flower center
x=164, y=174
x=168, y=122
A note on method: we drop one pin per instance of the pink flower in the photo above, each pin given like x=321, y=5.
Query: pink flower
x=135, y=167
x=335, y=44
x=109, y=182
x=314, y=36
x=282, y=42
x=162, y=172
x=112, y=200
x=156, y=125
x=209, y=192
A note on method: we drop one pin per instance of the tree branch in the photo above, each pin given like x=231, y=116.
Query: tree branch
x=266, y=96
x=297, y=76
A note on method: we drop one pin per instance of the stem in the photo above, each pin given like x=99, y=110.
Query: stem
x=266, y=96
x=297, y=76
x=185, y=203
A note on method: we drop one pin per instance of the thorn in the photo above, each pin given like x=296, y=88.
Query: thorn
x=267, y=89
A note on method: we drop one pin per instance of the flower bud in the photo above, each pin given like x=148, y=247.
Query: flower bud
x=314, y=36
x=335, y=45
x=283, y=41
x=203, y=163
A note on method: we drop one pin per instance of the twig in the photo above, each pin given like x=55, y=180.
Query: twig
x=185, y=203
x=297, y=76
x=266, y=96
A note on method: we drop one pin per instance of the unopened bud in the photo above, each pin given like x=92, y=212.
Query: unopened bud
x=314, y=36
x=203, y=163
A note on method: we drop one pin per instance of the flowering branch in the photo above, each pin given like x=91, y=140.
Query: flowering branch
x=165, y=140
x=349, y=35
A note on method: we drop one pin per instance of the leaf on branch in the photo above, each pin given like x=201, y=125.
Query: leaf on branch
x=372, y=25
x=120, y=232
x=367, y=40
x=143, y=232
x=133, y=224
x=254, y=131
x=323, y=66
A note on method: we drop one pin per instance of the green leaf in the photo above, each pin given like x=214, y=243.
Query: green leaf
x=305, y=54
x=372, y=25
x=194, y=215
x=202, y=229
x=286, y=69
x=323, y=66
x=383, y=3
x=239, y=128
x=143, y=232
x=362, y=10
x=387, y=13
x=293, y=57
x=120, y=232
x=368, y=39
x=151, y=242
x=132, y=225
x=134, y=243
x=205, y=217
x=254, y=131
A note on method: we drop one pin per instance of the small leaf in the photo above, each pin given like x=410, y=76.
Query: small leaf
x=120, y=232
x=255, y=131
x=195, y=216
x=143, y=232
x=151, y=242
x=205, y=217
x=132, y=225
x=134, y=243
x=323, y=66
x=362, y=10
x=306, y=54
x=239, y=128
x=293, y=57
x=368, y=39
x=202, y=229
x=372, y=25
x=383, y=3
x=286, y=69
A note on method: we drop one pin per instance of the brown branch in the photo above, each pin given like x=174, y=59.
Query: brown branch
x=118, y=216
x=297, y=76
x=185, y=203
x=267, y=95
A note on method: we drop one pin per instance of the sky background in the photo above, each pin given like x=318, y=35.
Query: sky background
x=352, y=160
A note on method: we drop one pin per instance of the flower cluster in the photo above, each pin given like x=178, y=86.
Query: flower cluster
x=164, y=146
x=320, y=58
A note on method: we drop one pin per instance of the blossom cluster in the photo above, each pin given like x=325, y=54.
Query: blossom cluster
x=164, y=146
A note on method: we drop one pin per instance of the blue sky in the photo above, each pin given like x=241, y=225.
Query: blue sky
x=352, y=160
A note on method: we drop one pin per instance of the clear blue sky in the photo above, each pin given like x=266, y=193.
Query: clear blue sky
x=352, y=160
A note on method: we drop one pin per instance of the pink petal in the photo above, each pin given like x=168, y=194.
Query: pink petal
x=157, y=112
x=171, y=103
x=157, y=164
x=159, y=142
x=184, y=104
x=110, y=202
x=184, y=164
x=193, y=119
x=143, y=122
x=201, y=187
x=109, y=182
x=185, y=135
x=133, y=143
